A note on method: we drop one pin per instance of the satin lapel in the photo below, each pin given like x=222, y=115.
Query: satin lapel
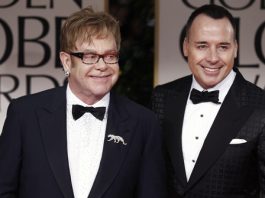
x=52, y=119
x=229, y=120
x=118, y=124
x=174, y=114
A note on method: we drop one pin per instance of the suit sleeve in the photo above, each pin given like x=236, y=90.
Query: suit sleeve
x=261, y=157
x=157, y=104
x=152, y=182
x=10, y=155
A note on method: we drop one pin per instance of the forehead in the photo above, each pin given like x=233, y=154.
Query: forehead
x=97, y=43
x=206, y=28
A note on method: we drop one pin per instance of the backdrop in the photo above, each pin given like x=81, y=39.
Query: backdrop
x=29, y=31
x=171, y=16
x=29, y=45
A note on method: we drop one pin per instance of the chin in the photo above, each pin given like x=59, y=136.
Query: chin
x=211, y=85
x=101, y=93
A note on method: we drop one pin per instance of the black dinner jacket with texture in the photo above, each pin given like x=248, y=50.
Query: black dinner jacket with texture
x=33, y=150
x=222, y=170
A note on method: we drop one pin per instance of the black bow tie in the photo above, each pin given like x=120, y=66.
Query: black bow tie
x=204, y=96
x=97, y=112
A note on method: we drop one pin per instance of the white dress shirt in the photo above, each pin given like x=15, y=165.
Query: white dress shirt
x=85, y=139
x=198, y=119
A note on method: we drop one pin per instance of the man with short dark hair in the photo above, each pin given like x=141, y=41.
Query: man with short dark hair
x=213, y=120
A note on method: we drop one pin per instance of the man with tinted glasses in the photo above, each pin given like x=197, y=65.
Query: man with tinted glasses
x=82, y=140
x=213, y=120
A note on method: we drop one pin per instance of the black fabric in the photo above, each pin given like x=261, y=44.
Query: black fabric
x=223, y=169
x=34, y=157
x=97, y=112
x=204, y=96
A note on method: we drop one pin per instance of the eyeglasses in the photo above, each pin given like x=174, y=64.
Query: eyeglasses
x=92, y=58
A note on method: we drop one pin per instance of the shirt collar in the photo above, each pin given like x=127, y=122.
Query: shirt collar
x=73, y=99
x=223, y=86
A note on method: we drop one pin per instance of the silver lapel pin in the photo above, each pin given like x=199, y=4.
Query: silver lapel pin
x=116, y=139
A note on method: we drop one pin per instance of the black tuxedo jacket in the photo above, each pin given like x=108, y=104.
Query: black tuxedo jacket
x=33, y=151
x=223, y=170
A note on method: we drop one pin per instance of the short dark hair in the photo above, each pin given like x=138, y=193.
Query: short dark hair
x=212, y=11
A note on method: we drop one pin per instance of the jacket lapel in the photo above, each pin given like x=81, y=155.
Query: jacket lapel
x=229, y=120
x=52, y=120
x=118, y=124
x=175, y=109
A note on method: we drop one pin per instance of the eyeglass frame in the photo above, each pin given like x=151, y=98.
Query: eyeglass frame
x=81, y=55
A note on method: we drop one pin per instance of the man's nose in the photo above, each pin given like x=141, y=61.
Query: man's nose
x=213, y=55
x=101, y=64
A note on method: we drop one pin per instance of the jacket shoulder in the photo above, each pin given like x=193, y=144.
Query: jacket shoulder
x=174, y=85
x=247, y=93
x=39, y=98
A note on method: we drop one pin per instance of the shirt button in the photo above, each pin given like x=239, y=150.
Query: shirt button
x=193, y=161
x=201, y=115
x=196, y=137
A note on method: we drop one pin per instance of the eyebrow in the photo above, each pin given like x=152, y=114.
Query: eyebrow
x=200, y=42
x=225, y=43
x=204, y=42
x=105, y=52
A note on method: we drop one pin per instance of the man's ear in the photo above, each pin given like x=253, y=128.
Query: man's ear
x=185, y=46
x=66, y=61
x=236, y=49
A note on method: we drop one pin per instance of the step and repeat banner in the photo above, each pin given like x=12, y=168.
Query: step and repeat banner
x=29, y=45
x=171, y=16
